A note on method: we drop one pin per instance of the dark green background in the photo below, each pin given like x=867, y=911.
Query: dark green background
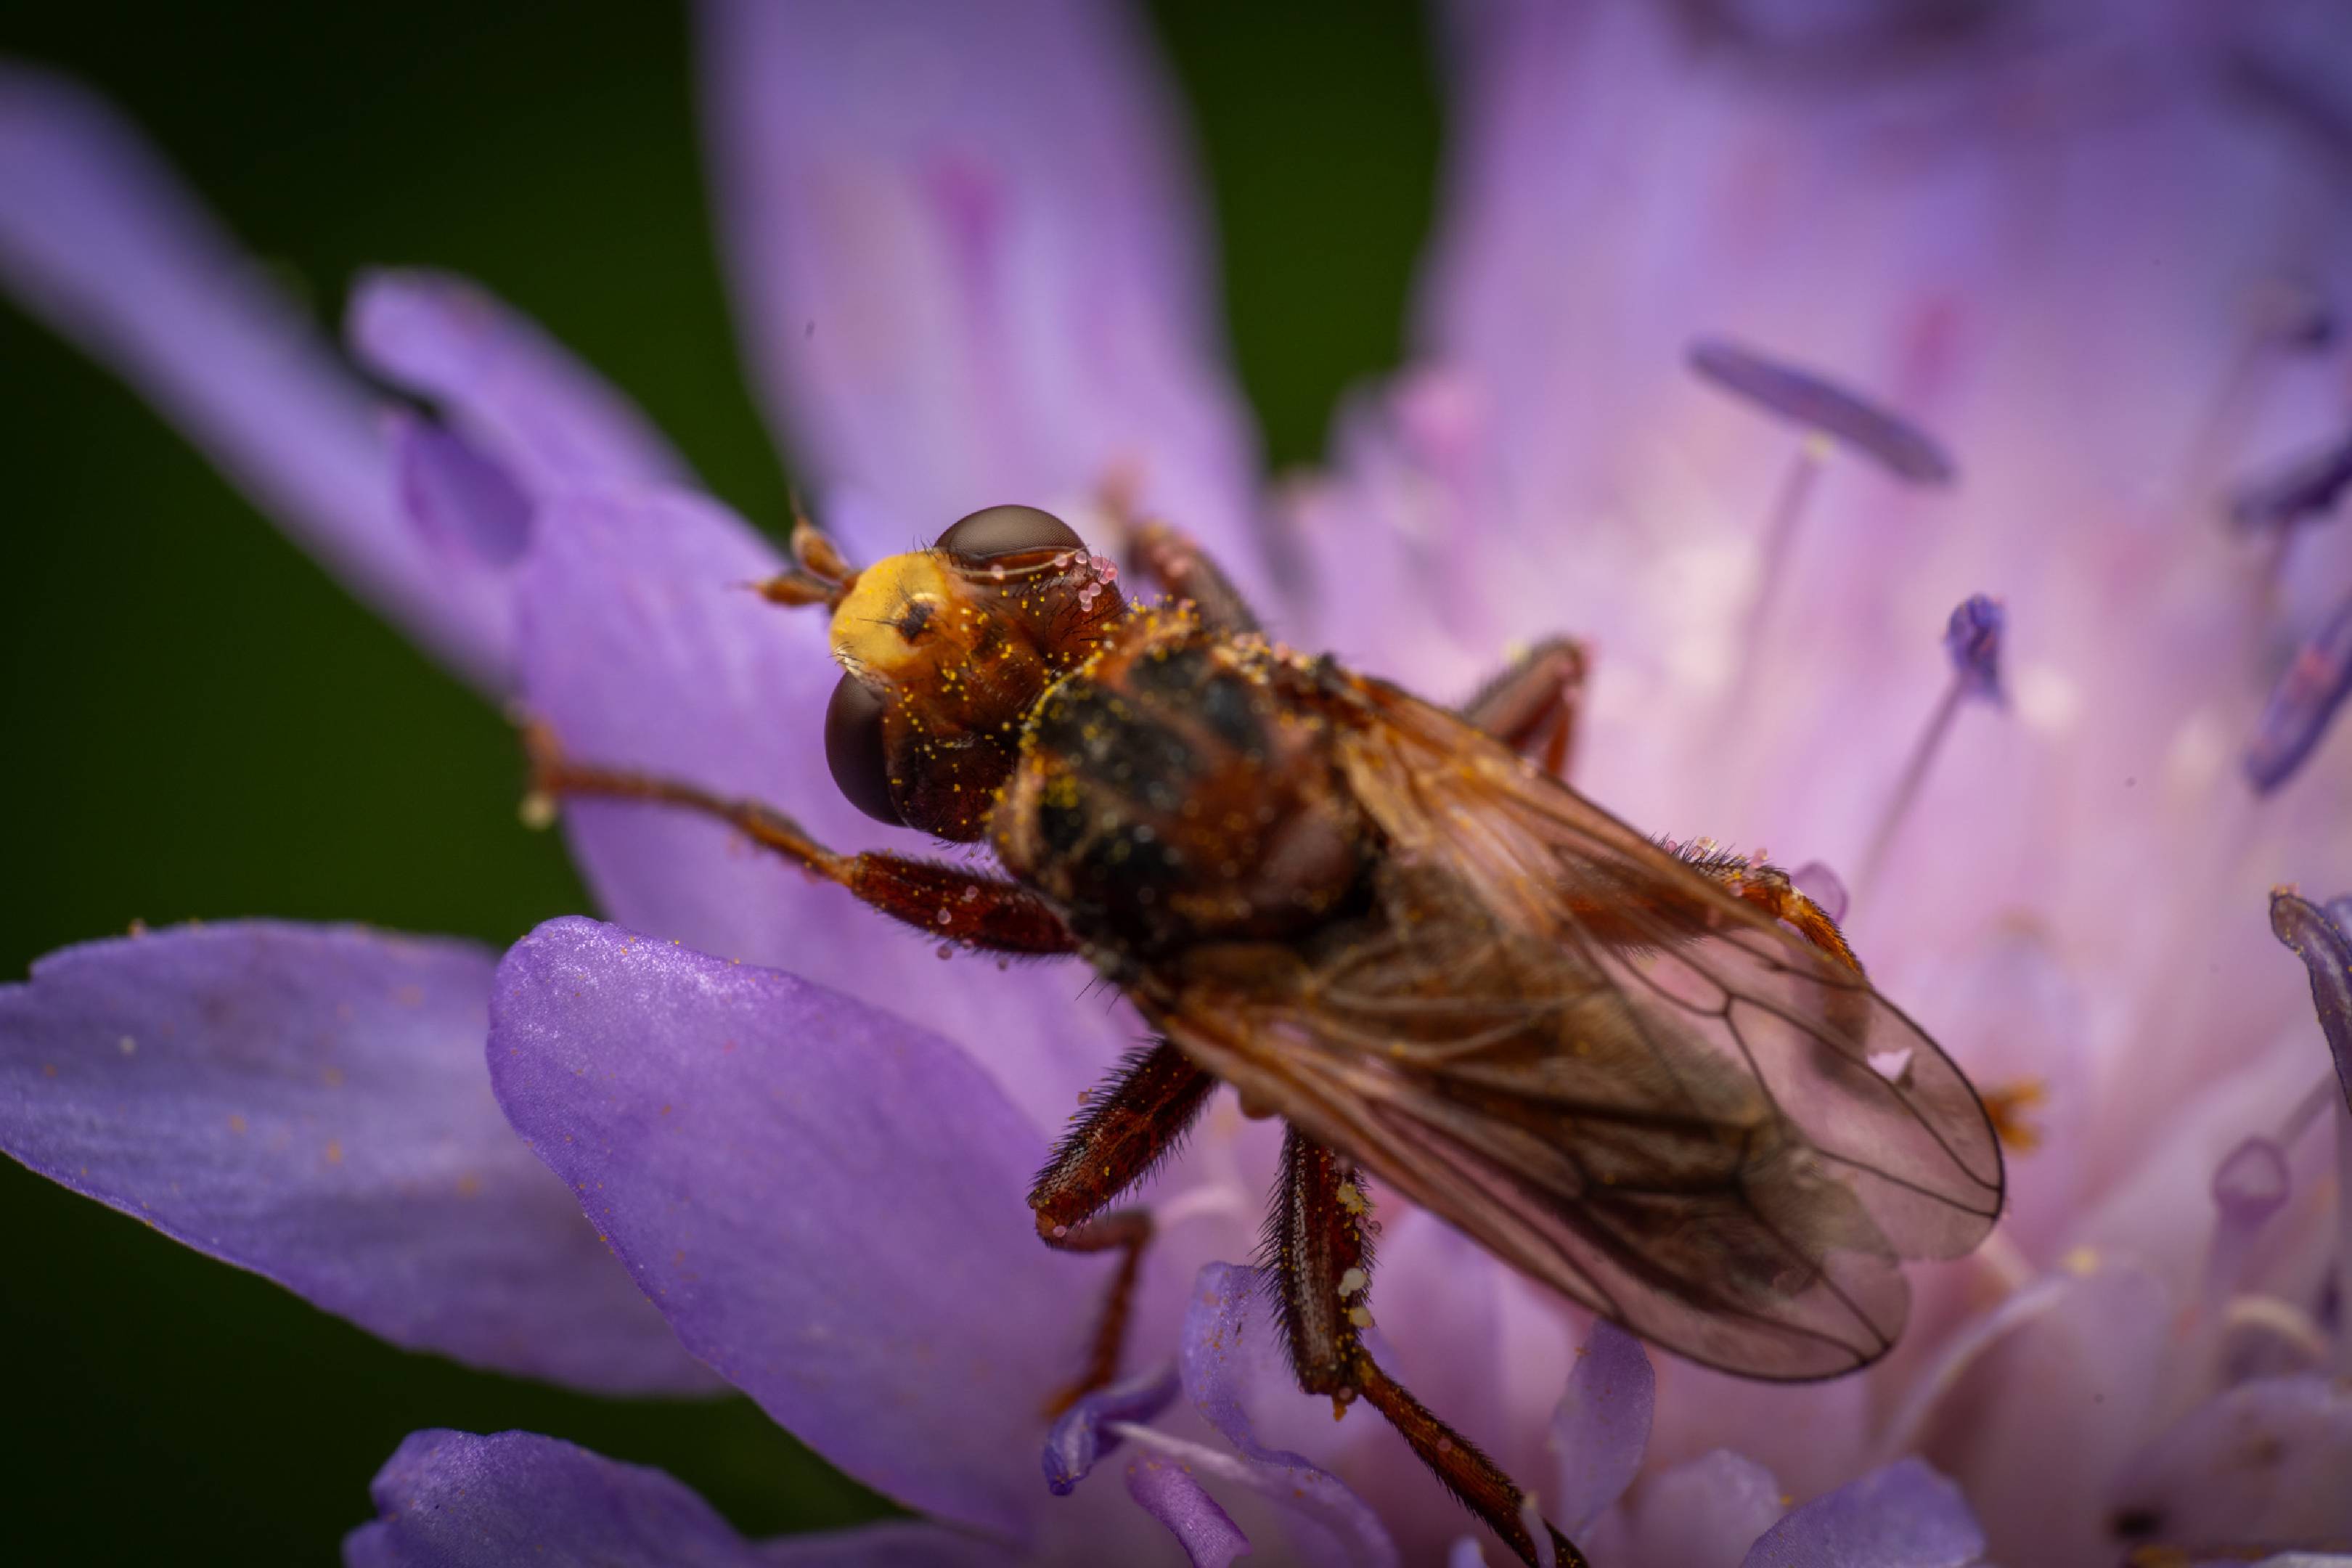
x=198, y=722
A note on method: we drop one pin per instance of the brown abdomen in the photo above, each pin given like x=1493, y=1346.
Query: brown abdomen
x=1178, y=792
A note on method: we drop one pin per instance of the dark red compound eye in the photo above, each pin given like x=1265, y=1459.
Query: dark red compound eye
x=1007, y=530
x=853, y=749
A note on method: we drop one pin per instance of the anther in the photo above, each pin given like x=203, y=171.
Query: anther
x=1972, y=640
x=2302, y=704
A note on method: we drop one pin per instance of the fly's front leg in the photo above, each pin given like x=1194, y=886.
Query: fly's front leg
x=1130, y=1125
x=945, y=901
x=1321, y=1253
x=1184, y=571
x=1533, y=705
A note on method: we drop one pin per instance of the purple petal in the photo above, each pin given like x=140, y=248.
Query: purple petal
x=1077, y=1440
x=2267, y=1461
x=641, y=649
x=825, y=1201
x=2303, y=703
x=461, y=499
x=1973, y=641
x=965, y=248
x=99, y=239
x=2325, y=950
x=451, y=1499
x=1904, y=1516
x=1603, y=1423
x=503, y=382
x=1225, y=1321
x=1705, y=1513
x=1169, y=1493
x=1819, y=403
x=312, y=1104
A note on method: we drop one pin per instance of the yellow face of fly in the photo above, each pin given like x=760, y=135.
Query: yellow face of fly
x=902, y=621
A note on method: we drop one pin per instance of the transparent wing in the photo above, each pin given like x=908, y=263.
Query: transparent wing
x=1607, y=1071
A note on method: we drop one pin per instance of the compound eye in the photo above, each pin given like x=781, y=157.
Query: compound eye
x=853, y=749
x=1007, y=530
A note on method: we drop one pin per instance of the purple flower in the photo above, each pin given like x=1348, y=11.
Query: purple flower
x=808, y=1184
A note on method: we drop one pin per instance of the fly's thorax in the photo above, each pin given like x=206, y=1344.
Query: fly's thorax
x=1182, y=789
x=958, y=652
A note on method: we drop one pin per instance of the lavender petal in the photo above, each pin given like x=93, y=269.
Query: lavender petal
x=2326, y=948
x=1167, y=1490
x=1223, y=1321
x=2263, y=1462
x=640, y=648
x=1704, y=1513
x=1077, y=1440
x=503, y=382
x=1819, y=404
x=2303, y=703
x=1603, y=1423
x=452, y=1499
x=99, y=238
x=966, y=250
x=312, y=1104
x=824, y=1202
x=461, y=499
x=1904, y=1516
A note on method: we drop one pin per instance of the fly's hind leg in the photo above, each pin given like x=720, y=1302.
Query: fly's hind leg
x=1130, y=1124
x=1533, y=705
x=1321, y=1258
x=947, y=902
x=1768, y=887
x=1181, y=569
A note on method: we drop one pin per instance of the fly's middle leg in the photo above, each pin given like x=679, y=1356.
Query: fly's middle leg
x=1130, y=1126
x=1319, y=1247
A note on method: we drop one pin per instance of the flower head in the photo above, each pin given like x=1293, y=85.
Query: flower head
x=779, y=1145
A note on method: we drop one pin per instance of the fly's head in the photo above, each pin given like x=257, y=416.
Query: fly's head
x=944, y=653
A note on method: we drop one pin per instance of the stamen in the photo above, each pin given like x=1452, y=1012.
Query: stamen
x=2303, y=490
x=2250, y=1185
x=1828, y=413
x=2303, y=703
x=1972, y=639
x=2325, y=948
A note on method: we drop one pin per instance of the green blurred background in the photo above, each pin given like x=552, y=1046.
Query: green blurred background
x=198, y=722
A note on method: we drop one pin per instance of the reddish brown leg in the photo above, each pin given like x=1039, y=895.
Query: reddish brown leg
x=1321, y=1258
x=1532, y=706
x=1768, y=887
x=1130, y=1125
x=1185, y=571
x=946, y=902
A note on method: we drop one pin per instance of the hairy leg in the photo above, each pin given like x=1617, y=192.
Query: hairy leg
x=1533, y=704
x=1130, y=1124
x=1321, y=1258
x=942, y=901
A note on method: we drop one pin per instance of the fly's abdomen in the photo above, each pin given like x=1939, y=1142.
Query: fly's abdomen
x=1174, y=792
